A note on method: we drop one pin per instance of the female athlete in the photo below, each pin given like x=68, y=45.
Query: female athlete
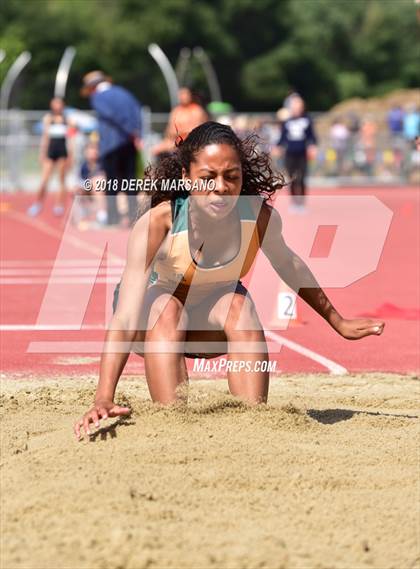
x=180, y=295
x=53, y=153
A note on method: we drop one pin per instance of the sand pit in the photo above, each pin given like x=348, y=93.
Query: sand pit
x=325, y=476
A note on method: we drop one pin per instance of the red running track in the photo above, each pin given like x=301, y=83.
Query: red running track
x=29, y=248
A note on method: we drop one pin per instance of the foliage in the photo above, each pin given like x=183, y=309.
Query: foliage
x=325, y=49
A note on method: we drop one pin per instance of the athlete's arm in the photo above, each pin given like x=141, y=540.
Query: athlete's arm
x=283, y=135
x=145, y=240
x=171, y=132
x=311, y=141
x=299, y=277
x=167, y=142
x=310, y=133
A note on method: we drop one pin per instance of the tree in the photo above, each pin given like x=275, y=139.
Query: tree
x=326, y=49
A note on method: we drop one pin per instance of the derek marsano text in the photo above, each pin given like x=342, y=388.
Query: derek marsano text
x=148, y=185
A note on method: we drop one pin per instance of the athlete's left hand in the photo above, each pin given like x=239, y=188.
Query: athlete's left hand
x=359, y=328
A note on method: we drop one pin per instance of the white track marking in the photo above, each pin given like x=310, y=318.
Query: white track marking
x=43, y=327
x=333, y=367
x=59, y=272
x=65, y=347
x=64, y=275
x=52, y=280
x=42, y=226
x=73, y=239
x=74, y=263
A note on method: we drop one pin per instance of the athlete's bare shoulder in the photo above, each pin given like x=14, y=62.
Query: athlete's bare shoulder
x=161, y=214
x=157, y=221
x=162, y=207
x=150, y=230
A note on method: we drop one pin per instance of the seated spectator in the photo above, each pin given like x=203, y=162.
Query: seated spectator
x=339, y=139
x=89, y=199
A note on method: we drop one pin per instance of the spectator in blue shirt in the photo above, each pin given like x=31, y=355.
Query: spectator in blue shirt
x=395, y=120
x=119, y=117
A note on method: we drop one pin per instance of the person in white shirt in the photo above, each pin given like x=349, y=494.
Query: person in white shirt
x=54, y=154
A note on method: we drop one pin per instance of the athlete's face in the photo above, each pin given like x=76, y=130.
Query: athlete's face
x=220, y=167
x=91, y=154
x=57, y=105
x=297, y=107
x=184, y=96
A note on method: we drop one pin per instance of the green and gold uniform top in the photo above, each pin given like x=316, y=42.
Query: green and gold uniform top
x=180, y=273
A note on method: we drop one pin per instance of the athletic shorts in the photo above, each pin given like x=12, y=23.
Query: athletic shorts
x=239, y=289
x=57, y=149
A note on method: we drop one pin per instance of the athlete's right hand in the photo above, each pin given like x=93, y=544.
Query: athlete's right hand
x=101, y=409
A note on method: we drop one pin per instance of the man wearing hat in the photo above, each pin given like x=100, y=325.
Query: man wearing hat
x=119, y=117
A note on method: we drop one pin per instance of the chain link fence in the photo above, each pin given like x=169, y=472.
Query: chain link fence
x=364, y=154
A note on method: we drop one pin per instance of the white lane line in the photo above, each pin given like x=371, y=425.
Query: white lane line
x=42, y=327
x=64, y=280
x=59, y=272
x=65, y=347
x=333, y=367
x=69, y=237
x=35, y=263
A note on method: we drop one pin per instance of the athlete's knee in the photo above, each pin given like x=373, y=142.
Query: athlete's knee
x=168, y=314
x=241, y=316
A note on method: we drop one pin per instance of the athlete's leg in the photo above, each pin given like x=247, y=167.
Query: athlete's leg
x=62, y=164
x=243, y=329
x=165, y=370
x=300, y=188
x=232, y=318
x=110, y=163
x=226, y=319
x=158, y=321
x=291, y=167
x=47, y=169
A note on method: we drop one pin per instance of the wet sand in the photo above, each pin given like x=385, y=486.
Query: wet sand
x=325, y=476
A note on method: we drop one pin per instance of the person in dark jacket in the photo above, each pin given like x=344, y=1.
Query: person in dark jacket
x=120, y=125
x=299, y=140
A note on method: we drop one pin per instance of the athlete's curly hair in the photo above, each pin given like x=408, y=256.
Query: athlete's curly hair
x=257, y=173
